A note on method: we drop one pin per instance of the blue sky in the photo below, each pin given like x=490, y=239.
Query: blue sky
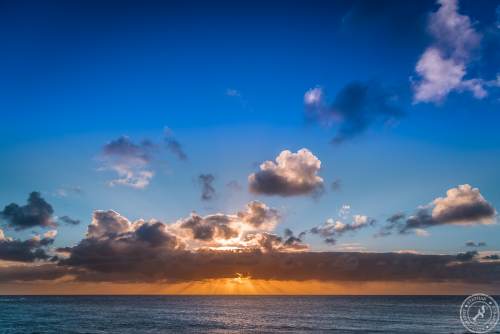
x=229, y=80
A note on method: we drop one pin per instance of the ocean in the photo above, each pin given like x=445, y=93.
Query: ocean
x=230, y=314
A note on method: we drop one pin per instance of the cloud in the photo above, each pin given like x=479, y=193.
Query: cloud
x=118, y=250
x=442, y=68
x=125, y=265
x=113, y=243
x=333, y=229
x=471, y=243
x=36, y=213
x=356, y=107
x=67, y=191
x=467, y=256
x=207, y=189
x=210, y=227
x=292, y=174
x=69, y=221
x=107, y=223
x=130, y=161
x=222, y=230
x=28, y=273
x=29, y=250
x=233, y=92
x=174, y=146
x=462, y=205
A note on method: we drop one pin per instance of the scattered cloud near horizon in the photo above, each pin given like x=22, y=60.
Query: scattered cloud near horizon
x=462, y=205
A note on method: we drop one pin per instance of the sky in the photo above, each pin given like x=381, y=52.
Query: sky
x=205, y=147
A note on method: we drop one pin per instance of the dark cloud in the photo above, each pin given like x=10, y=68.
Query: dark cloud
x=462, y=205
x=207, y=189
x=269, y=242
x=475, y=244
x=492, y=257
x=121, y=265
x=69, y=221
x=292, y=174
x=24, y=250
x=36, y=213
x=174, y=146
x=355, y=108
x=25, y=273
x=294, y=241
x=210, y=227
x=467, y=256
x=113, y=244
x=124, y=148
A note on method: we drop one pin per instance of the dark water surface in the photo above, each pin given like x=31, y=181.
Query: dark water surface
x=231, y=314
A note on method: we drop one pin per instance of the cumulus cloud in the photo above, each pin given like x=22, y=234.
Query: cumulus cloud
x=442, y=68
x=463, y=205
x=207, y=189
x=36, y=213
x=292, y=174
x=115, y=243
x=355, y=108
x=130, y=161
x=29, y=250
x=174, y=146
x=222, y=230
x=332, y=229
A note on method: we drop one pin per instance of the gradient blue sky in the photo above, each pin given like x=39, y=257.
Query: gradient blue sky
x=75, y=75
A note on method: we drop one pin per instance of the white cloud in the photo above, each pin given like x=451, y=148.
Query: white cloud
x=233, y=92
x=420, y=232
x=463, y=205
x=291, y=174
x=442, y=68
